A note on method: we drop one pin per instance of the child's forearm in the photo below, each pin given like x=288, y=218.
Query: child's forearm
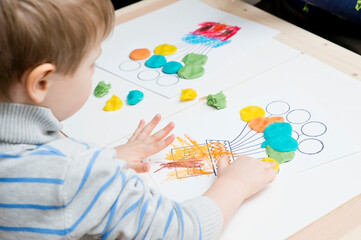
x=225, y=194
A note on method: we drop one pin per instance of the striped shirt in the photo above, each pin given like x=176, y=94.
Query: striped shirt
x=62, y=188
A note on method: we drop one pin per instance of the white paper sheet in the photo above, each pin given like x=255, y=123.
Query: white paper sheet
x=320, y=140
x=169, y=25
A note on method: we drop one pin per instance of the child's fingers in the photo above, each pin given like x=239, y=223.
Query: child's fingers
x=164, y=143
x=271, y=175
x=139, y=167
x=163, y=132
x=146, y=131
x=268, y=164
x=137, y=131
x=223, y=162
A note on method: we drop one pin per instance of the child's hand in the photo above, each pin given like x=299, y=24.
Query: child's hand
x=142, y=144
x=248, y=174
x=238, y=181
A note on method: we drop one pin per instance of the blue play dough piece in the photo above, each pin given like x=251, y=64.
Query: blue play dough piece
x=172, y=67
x=278, y=129
x=279, y=137
x=134, y=97
x=281, y=143
x=156, y=61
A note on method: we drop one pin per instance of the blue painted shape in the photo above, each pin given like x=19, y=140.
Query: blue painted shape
x=281, y=143
x=278, y=129
x=172, y=67
x=134, y=97
x=207, y=41
x=156, y=61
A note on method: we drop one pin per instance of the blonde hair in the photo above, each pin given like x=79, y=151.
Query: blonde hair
x=60, y=32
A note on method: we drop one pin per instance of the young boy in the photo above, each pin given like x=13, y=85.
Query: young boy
x=53, y=187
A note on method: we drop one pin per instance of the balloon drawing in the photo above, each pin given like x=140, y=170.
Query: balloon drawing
x=265, y=133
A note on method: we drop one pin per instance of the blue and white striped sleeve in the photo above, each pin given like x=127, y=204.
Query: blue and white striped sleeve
x=108, y=201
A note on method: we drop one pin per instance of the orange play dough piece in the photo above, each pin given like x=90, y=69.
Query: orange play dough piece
x=259, y=124
x=140, y=54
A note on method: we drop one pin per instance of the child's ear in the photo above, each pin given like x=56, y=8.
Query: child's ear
x=38, y=82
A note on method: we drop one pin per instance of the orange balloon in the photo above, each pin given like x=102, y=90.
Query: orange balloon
x=140, y=54
x=259, y=124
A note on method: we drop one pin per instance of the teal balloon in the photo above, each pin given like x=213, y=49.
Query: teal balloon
x=156, y=61
x=134, y=97
x=278, y=129
x=172, y=67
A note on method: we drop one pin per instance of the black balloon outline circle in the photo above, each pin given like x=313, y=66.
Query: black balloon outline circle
x=120, y=66
x=148, y=70
x=289, y=107
x=298, y=110
x=313, y=135
x=168, y=85
x=308, y=139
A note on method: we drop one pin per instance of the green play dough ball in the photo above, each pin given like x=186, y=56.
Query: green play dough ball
x=218, y=100
x=191, y=72
x=101, y=89
x=280, y=157
x=195, y=59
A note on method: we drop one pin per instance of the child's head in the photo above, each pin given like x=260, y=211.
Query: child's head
x=48, y=48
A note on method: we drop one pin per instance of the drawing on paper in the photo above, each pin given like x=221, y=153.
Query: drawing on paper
x=185, y=60
x=277, y=132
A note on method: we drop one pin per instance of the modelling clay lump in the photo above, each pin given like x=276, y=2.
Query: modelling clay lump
x=134, y=97
x=140, y=54
x=218, y=100
x=102, y=89
x=188, y=94
x=172, y=67
x=259, y=124
x=279, y=137
x=191, y=72
x=195, y=59
x=280, y=157
x=277, y=129
x=156, y=61
x=165, y=49
x=277, y=167
x=251, y=112
x=281, y=143
x=113, y=104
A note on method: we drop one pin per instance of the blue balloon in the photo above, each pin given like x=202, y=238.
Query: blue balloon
x=156, y=61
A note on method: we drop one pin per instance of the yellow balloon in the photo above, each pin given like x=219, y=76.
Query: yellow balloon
x=277, y=167
x=165, y=49
x=251, y=112
x=113, y=104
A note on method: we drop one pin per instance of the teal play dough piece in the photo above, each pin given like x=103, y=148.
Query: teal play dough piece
x=156, y=61
x=280, y=157
x=191, y=72
x=172, y=67
x=281, y=143
x=134, y=97
x=195, y=59
x=278, y=129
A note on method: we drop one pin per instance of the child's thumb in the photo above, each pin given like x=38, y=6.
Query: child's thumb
x=223, y=162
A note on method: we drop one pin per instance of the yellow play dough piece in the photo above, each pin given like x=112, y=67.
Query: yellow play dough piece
x=113, y=104
x=188, y=94
x=251, y=112
x=277, y=167
x=165, y=49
